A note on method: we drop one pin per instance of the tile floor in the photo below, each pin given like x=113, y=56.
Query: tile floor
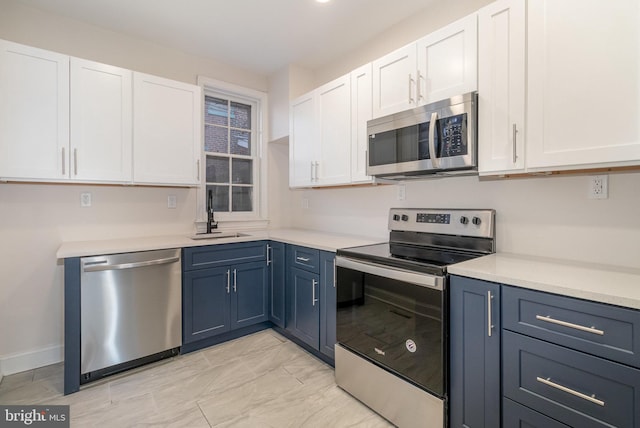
x=261, y=380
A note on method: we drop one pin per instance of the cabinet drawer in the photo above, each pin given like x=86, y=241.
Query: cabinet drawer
x=599, y=329
x=304, y=258
x=223, y=254
x=517, y=415
x=572, y=387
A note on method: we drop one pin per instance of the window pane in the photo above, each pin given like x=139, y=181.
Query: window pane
x=220, y=198
x=240, y=142
x=240, y=116
x=216, y=139
x=242, y=171
x=216, y=111
x=241, y=199
x=217, y=169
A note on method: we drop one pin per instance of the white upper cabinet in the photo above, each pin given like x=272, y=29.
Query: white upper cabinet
x=302, y=141
x=361, y=112
x=34, y=113
x=394, y=77
x=167, y=122
x=501, y=87
x=101, y=122
x=583, y=84
x=334, y=132
x=448, y=61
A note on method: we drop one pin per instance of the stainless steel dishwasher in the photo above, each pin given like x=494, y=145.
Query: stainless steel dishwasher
x=131, y=310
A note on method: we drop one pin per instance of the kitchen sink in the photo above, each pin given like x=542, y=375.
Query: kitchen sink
x=218, y=235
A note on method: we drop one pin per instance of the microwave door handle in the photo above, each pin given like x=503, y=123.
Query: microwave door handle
x=432, y=141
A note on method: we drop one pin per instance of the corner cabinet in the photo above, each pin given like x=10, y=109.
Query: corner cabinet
x=224, y=288
x=34, y=113
x=501, y=87
x=474, y=399
x=167, y=128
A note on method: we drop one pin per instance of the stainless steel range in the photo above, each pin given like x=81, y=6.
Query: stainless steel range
x=392, y=314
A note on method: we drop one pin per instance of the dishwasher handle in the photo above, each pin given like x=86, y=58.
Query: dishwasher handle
x=101, y=267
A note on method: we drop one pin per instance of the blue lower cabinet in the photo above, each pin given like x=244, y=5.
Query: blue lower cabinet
x=304, y=312
x=327, y=304
x=517, y=415
x=248, y=292
x=205, y=304
x=474, y=310
x=277, y=277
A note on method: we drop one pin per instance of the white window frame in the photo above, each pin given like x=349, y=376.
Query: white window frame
x=234, y=220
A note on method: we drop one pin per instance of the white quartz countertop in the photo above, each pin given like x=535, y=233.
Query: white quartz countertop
x=320, y=240
x=601, y=283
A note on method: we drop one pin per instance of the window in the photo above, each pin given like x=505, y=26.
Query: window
x=232, y=142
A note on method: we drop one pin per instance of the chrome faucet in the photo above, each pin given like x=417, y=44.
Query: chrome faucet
x=211, y=224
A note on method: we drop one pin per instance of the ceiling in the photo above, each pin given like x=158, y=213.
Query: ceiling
x=257, y=35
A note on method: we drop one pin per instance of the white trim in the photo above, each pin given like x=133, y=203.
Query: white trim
x=262, y=131
x=16, y=363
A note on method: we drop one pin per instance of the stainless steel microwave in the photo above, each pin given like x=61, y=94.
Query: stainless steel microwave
x=436, y=138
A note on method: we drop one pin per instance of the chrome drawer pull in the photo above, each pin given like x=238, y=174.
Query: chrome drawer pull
x=570, y=325
x=302, y=259
x=591, y=398
x=489, y=317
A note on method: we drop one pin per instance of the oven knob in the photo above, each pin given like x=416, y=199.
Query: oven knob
x=464, y=220
x=396, y=217
x=405, y=217
x=476, y=221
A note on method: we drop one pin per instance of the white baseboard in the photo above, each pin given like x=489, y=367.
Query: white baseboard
x=16, y=363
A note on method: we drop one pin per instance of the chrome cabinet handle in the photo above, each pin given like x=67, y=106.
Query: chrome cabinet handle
x=313, y=292
x=75, y=161
x=311, y=171
x=570, y=325
x=235, y=280
x=302, y=259
x=432, y=140
x=228, y=280
x=63, y=163
x=411, y=100
x=515, y=132
x=268, y=257
x=590, y=398
x=489, y=316
x=198, y=169
x=418, y=87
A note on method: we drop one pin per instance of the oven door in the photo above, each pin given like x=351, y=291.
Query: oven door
x=395, y=319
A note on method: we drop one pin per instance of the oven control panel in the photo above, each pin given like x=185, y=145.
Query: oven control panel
x=478, y=223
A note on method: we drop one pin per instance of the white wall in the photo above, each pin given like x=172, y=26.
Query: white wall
x=36, y=218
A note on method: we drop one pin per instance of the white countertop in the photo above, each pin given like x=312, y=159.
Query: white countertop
x=320, y=240
x=606, y=284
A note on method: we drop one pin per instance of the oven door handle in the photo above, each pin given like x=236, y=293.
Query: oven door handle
x=417, y=278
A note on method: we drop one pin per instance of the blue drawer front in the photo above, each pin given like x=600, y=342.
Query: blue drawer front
x=613, y=332
x=518, y=416
x=305, y=258
x=528, y=364
x=223, y=254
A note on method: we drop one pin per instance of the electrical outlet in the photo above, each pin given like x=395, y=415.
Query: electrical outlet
x=598, y=187
x=85, y=199
x=172, y=201
x=402, y=192
x=305, y=203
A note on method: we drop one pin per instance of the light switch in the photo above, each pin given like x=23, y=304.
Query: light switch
x=85, y=199
x=172, y=201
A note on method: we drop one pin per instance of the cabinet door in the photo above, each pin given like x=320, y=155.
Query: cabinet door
x=516, y=415
x=303, y=294
x=334, y=131
x=302, y=139
x=583, y=80
x=276, y=261
x=34, y=113
x=394, y=81
x=327, y=304
x=501, y=87
x=447, y=61
x=361, y=112
x=205, y=304
x=167, y=124
x=101, y=122
x=249, y=294
x=475, y=353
